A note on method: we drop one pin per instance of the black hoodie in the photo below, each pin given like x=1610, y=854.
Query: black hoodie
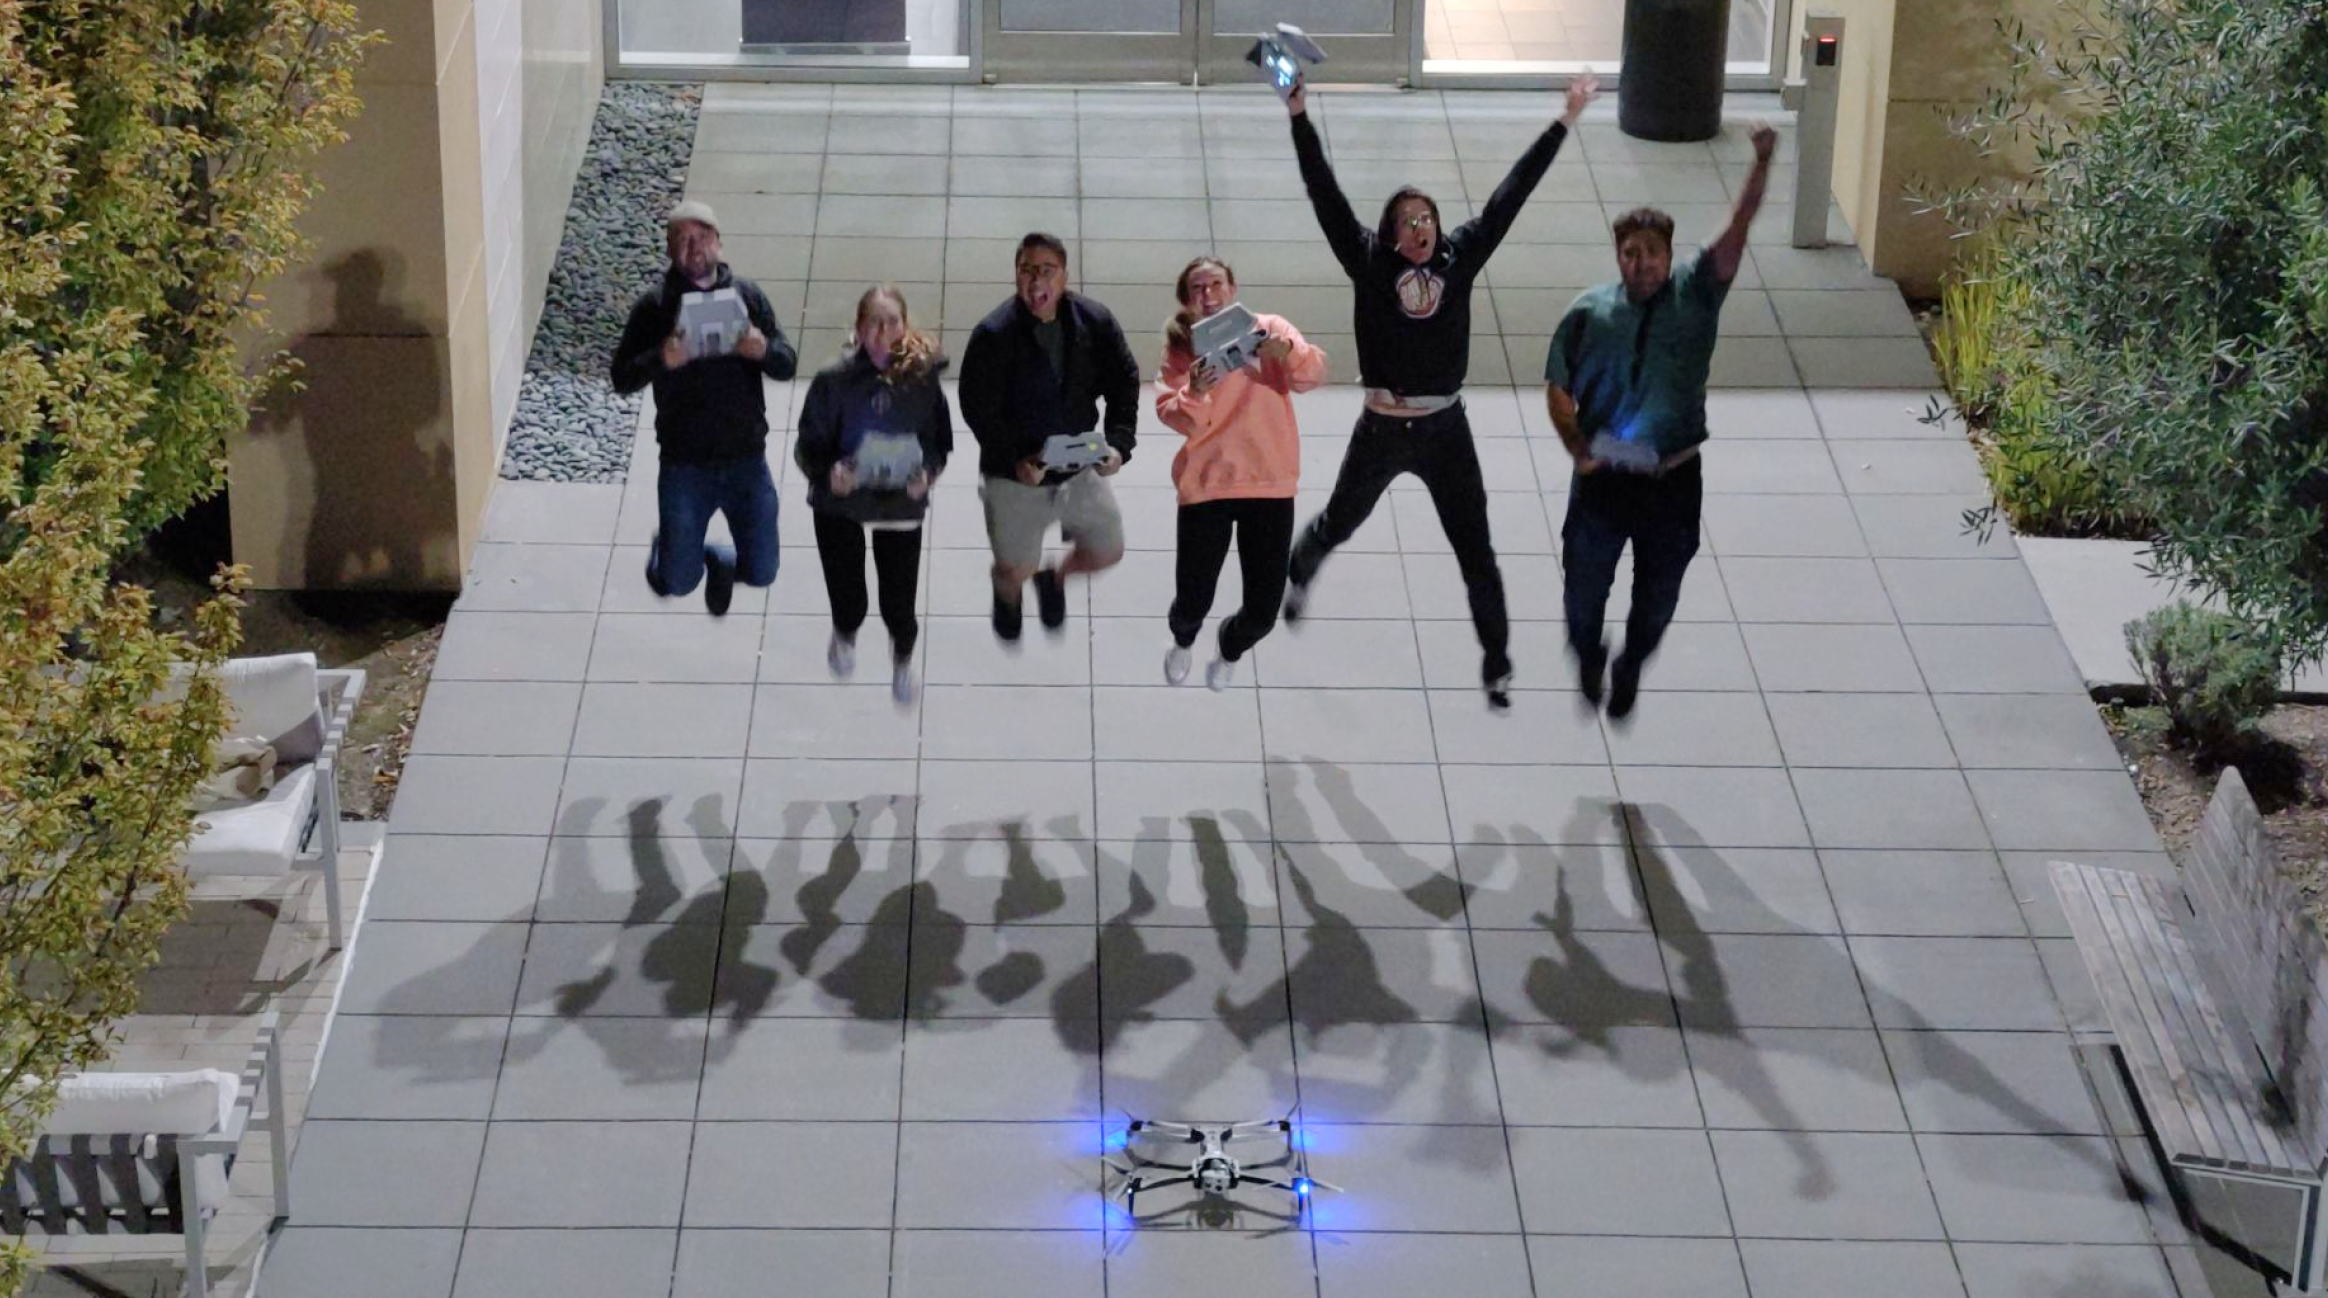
x=1414, y=322
x=1012, y=399
x=850, y=399
x=710, y=409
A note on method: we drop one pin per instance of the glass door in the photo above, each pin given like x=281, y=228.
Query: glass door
x=1186, y=41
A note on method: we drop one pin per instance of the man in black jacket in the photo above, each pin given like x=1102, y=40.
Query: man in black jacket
x=711, y=420
x=1039, y=366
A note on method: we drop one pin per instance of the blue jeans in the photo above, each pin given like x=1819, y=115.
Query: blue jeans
x=686, y=496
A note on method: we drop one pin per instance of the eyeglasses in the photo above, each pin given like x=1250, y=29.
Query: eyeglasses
x=1420, y=221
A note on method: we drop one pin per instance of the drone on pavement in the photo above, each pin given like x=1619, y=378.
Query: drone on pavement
x=1206, y=1163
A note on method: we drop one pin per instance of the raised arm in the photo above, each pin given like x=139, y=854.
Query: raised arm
x=1344, y=234
x=1726, y=252
x=1478, y=237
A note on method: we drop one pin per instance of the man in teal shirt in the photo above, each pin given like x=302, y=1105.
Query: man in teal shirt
x=1626, y=384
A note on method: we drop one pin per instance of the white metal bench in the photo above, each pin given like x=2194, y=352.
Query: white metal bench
x=87, y=1176
x=2211, y=991
x=295, y=826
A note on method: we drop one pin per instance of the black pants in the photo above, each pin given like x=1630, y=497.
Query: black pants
x=1660, y=517
x=1264, y=529
x=840, y=547
x=1436, y=448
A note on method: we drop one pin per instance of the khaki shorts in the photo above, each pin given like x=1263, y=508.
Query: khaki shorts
x=1017, y=515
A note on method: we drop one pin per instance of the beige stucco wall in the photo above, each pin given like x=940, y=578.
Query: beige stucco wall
x=434, y=237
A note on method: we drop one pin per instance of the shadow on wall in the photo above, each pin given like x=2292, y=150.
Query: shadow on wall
x=366, y=433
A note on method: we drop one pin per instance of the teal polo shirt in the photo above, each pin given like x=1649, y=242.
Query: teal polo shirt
x=1638, y=369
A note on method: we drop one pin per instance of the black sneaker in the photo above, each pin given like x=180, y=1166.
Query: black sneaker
x=1296, y=601
x=1624, y=687
x=1589, y=672
x=1050, y=598
x=1499, y=693
x=719, y=584
x=1006, y=619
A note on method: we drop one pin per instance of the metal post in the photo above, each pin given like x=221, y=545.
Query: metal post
x=1814, y=97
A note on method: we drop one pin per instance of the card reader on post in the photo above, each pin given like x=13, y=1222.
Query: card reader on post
x=1280, y=57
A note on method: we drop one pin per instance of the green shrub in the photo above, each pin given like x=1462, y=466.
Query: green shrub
x=2172, y=240
x=2214, y=675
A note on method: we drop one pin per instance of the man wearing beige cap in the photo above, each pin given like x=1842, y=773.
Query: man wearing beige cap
x=711, y=416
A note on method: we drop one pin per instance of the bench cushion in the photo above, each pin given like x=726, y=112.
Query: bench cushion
x=275, y=700
x=260, y=837
x=177, y=1104
x=94, y=1142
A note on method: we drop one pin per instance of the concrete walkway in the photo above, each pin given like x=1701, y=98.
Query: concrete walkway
x=692, y=972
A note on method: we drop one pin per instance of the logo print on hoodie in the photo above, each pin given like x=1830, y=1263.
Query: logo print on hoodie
x=1419, y=291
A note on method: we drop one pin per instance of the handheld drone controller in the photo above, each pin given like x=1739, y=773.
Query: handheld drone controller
x=1280, y=57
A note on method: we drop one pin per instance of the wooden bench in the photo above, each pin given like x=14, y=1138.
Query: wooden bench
x=2210, y=992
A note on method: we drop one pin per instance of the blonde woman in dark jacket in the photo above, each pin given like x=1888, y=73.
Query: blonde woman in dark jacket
x=875, y=432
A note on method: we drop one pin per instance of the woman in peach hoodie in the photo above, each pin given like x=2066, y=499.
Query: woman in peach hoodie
x=1237, y=472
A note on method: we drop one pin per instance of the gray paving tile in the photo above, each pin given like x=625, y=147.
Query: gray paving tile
x=378, y=1174
x=659, y=720
x=802, y=1070
x=1842, y=314
x=2063, y=810
x=986, y=971
x=1963, y=590
x=1777, y=414
x=1790, y=1079
x=582, y=1174
x=1013, y=882
x=434, y=969
x=645, y=647
x=1648, y=1268
x=997, y=1070
x=601, y=1069
x=1160, y=1263
x=1430, y=1178
x=1930, y=527
x=1182, y=1066
x=2029, y=874
x=497, y=718
x=864, y=132
x=1737, y=890
x=994, y=1264
x=1922, y=893
x=1637, y=1076
x=1506, y=885
x=481, y=646
x=2044, y=1270
x=1994, y=660
x=1830, y=1185
x=1889, y=808
x=998, y=1176
x=1383, y=1266
x=1828, y=268
x=563, y=1263
x=1931, y=467
x=566, y=513
x=660, y=970
x=874, y=173
x=793, y=797
x=2031, y=1189
x=1325, y=802
x=1866, y=414
x=1862, y=730
x=724, y=173
x=1184, y=973
x=1579, y=1181
x=361, y=1263
x=1210, y=879
x=663, y=797
x=2073, y=987
x=1754, y=980
x=1785, y=526
x=1772, y=468
x=1956, y=982
x=2061, y=732
x=766, y=214
x=1583, y=982
x=1678, y=729
x=440, y=794
x=1380, y=885
x=1791, y=657
x=1846, y=1268
x=640, y=880
x=1712, y=806
x=816, y=971
x=2002, y=1083
x=409, y=1067
x=734, y=1177
x=1806, y=590
x=512, y=578
x=990, y=799
x=475, y=877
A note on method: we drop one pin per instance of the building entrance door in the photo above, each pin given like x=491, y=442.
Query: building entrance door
x=1186, y=41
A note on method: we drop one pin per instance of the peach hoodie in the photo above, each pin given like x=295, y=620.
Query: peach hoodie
x=1242, y=440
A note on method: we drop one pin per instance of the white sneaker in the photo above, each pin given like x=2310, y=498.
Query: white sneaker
x=1219, y=674
x=841, y=656
x=1176, y=665
x=901, y=684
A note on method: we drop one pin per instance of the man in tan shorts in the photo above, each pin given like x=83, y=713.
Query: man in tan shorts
x=1034, y=378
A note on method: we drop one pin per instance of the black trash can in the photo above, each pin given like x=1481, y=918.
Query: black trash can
x=1670, y=85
